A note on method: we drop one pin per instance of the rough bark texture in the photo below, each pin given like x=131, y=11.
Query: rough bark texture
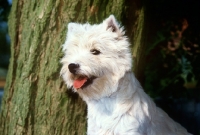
x=35, y=101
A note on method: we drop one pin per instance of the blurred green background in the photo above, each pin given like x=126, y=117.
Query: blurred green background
x=4, y=43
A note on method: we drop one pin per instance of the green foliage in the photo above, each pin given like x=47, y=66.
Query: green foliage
x=173, y=67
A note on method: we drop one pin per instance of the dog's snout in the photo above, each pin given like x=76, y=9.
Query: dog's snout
x=73, y=67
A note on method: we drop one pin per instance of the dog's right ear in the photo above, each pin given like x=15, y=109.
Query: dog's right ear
x=71, y=27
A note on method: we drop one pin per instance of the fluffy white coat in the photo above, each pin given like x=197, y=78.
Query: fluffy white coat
x=117, y=104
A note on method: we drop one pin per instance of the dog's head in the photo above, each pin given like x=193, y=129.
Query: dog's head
x=96, y=57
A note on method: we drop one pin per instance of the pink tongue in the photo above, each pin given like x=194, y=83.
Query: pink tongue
x=78, y=83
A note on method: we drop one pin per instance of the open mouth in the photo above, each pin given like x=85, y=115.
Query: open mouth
x=83, y=81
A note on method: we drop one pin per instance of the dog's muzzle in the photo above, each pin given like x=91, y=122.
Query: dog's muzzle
x=80, y=80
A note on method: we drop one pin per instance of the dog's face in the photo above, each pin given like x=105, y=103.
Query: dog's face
x=96, y=57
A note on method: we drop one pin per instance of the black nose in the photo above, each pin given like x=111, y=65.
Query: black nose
x=73, y=67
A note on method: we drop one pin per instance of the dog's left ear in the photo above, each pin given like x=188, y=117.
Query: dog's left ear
x=111, y=24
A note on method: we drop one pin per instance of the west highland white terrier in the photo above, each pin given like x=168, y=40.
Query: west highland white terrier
x=97, y=65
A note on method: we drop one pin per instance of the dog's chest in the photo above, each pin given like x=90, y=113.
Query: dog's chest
x=101, y=109
x=104, y=117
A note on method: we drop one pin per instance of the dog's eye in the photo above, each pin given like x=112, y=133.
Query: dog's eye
x=95, y=52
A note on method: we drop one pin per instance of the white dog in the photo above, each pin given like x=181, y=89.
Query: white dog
x=97, y=65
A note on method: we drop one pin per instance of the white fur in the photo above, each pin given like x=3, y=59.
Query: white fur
x=117, y=104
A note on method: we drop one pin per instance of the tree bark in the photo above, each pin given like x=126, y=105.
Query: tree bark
x=35, y=100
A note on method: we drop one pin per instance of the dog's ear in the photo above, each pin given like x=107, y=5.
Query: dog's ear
x=111, y=24
x=71, y=27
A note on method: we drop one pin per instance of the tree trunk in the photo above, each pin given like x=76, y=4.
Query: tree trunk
x=35, y=100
